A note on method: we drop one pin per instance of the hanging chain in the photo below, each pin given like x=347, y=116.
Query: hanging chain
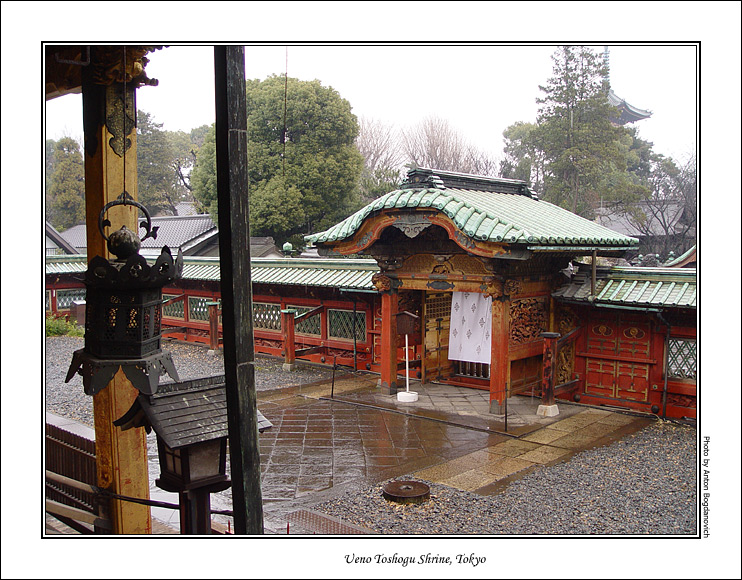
x=123, y=127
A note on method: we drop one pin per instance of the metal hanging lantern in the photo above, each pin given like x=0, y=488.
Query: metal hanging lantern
x=123, y=310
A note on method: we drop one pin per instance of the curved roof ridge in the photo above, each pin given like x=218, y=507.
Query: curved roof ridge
x=488, y=216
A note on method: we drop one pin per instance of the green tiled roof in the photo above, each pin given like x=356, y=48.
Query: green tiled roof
x=634, y=287
x=352, y=274
x=66, y=264
x=488, y=216
x=680, y=259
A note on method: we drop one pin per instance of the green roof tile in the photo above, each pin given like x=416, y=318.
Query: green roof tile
x=484, y=208
x=334, y=273
x=634, y=287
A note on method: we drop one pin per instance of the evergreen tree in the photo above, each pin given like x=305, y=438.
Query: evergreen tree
x=579, y=143
x=524, y=158
x=160, y=155
x=302, y=160
x=203, y=176
x=65, y=194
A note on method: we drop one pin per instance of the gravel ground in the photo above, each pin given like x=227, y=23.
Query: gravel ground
x=191, y=361
x=643, y=484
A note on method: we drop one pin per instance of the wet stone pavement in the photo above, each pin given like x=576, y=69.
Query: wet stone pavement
x=320, y=445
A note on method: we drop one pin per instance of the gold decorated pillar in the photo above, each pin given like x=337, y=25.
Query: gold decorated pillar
x=109, y=85
x=500, y=361
x=389, y=308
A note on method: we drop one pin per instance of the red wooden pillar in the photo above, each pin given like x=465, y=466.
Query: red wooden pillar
x=213, y=325
x=389, y=306
x=548, y=407
x=500, y=361
x=288, y=329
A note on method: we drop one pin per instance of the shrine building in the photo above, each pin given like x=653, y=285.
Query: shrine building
x=487, y=268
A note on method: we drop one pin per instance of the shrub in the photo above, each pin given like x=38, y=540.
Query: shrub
x=59, y=325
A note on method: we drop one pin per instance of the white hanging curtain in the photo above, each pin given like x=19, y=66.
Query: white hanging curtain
x=470, y=337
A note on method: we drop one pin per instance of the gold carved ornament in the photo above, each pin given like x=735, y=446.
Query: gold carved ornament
x=121, y=64
x=381, y=283
x=528, y=319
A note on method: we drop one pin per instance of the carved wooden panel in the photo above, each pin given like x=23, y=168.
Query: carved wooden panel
x=565, y=363
x=528, y=319
x=443, y=264
x=513, y=287
x=678, y=400
x=566, y=320
x=376, y=346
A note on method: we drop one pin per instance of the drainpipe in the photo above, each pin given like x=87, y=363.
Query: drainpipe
x=355, y=338
x=667, y=364
x=594, y=272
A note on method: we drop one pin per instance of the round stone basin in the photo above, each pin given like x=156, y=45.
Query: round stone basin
x=402, y=491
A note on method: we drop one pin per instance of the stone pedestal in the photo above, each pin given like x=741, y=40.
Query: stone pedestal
x=547, y=411
x=407, y=396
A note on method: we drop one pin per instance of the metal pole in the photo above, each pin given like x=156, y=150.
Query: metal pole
x=667, y=364
x=407, y=360
x=334, y=366
x=506, y=410
x=355, y=338
x=237, y=322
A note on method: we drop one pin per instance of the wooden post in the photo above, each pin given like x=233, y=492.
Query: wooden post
x=195, y=512
x=237, y=322
x=288, y=330
x=500, y=359
x=548, y=402
x=213, y=325
x=110, y=169
x=389, y=305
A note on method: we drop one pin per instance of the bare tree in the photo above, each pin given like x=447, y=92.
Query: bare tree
x=666, y=219
x=435, y=144
x=379, y=144
x=383, y=158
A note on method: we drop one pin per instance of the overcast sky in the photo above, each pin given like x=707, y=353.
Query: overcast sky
x=479, y=89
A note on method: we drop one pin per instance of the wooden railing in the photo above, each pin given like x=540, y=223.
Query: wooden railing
x=73, y=497
x=289, y=320
x=553, y=343
x=571, y=385
x=70, y=479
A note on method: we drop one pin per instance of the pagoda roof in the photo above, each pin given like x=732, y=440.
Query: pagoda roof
x=628, y=113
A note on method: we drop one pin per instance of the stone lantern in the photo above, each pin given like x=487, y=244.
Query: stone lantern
x=190, y=421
